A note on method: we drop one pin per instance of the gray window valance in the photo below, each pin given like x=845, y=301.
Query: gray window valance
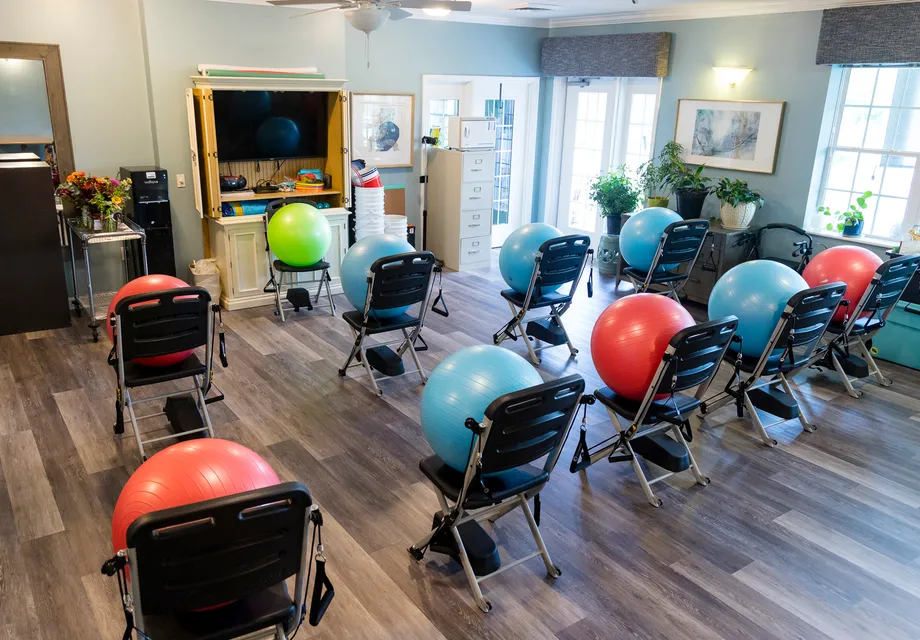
x=884, y=34
x=628, y=55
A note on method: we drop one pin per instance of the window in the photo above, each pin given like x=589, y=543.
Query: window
x=439, y=112
x=874, y=146
x=503, y=112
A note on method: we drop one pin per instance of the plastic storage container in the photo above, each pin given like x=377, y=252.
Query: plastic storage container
x=899, y=340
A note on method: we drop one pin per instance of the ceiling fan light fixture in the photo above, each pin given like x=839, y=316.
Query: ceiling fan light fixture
x=436, y=13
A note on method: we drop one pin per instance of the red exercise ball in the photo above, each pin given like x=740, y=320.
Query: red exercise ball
x=631, y=336
x=852, y=265
x=185, y=473
x=146, y=284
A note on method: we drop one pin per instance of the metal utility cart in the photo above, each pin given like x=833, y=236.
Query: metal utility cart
x=97, y=304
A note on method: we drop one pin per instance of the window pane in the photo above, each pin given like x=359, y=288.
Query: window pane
x=862, y=82
x=868, y=173
x=907, y=137
x=637, y=108
x=888, y=217
x=650, y=109
x=852, y=126
x=912, y=90
x=877, y=129
x=899, y=174
x=884, y=89
x=842, y=170
x=836, y=201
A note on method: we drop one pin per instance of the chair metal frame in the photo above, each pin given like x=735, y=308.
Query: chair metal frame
x=456, y=514
x=802, y=249
x=276, y=284
x=515, y=327
x=618, y=448
x=199, y=391
x=784, y=337
x=672, y=287
x=407, y=342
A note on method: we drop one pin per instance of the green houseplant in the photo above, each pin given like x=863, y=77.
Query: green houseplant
x=653, y=175
x=690, y=186
x=739, y=203
x=850, y=221
x=615, y=194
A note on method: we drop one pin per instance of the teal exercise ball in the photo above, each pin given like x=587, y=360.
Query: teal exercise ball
x=357, y=263
x=518, y=255
x=641, y=235
x=462, y=386
x=756, y=292
x=299, y=234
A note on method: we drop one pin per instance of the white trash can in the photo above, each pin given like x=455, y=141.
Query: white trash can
x=206, y=274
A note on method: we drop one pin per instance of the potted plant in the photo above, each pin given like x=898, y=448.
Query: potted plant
x=691, y=187
x=615, y=194
x=739, y=202
x=849, y=221
x=94, y=198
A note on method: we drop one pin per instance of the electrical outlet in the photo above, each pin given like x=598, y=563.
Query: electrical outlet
x=180, y=180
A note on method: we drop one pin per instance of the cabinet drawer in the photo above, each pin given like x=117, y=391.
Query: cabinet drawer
x=475, y=195
x=475, y=249
x=478, y=167
x=475, y=223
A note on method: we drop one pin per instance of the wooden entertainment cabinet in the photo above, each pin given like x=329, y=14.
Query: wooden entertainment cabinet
x=238, y=242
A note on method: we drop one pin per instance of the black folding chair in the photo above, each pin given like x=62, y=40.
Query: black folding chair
x=691, y=360
x=295, y=296
x=680, y=245
x=160, y=323
x=862, y=322
x=401, y=280
x=793, y=346
x=559, y=262
x=217, y=569
x=518, y=429
x=801, y=241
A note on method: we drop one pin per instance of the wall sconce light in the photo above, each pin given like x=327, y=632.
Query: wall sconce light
x=732, y=75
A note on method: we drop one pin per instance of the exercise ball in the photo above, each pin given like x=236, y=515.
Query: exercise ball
x=299, y=234
x=756, y=292
x=147, y=284
x=854, y=266
x=462, y=386
x=519, y=253
x=357, y=262
x=630, y=337
x=278, y=137
x=185, y=473
x=641, y=235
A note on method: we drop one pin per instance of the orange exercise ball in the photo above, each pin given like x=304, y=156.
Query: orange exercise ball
x=852, y=265
x=185, y=473
x=631, y=336
x=147, y=284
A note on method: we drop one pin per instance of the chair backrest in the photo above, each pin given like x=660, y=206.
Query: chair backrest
x=526, y=425
x=804, y=321
x=399, y=280
x=680, y=243
x=219, y=550
x=162, y=322
x=561, y=260
x=888, y=284
x=272, y=207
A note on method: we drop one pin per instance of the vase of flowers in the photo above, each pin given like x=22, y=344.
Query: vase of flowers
x=95, y=198
x=109, y=200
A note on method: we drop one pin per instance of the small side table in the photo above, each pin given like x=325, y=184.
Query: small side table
x=97, y=303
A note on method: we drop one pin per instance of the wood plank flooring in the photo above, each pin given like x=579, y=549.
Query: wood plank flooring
x=817, y=538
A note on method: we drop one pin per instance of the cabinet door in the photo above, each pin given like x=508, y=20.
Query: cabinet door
x=193, y=147
x=248, y=261
x=207, y=151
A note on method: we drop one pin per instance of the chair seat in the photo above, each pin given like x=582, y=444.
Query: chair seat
x=660, y=277
x=379, y=325
x=260, y=610
x=547, y=299
x=749, y=363
x=660, y=409
x=137, y=375
x=316, y=266
x=862, y=326
x=509, y=483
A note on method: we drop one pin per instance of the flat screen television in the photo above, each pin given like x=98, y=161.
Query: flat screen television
x=270, y=125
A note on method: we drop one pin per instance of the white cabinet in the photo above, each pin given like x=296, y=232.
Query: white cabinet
x=238, y=245
x=460, y=191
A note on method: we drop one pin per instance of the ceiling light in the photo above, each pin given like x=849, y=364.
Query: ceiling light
x=436, y=13
x=732, y=75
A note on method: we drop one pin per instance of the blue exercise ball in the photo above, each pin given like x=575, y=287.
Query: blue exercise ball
x=519, y=253
x=278, y=137
x=357, y=262
x=756, y=292
x=462, y=386
x=641, y=235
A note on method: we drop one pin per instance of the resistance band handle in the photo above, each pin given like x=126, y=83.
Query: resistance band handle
x=320, y=601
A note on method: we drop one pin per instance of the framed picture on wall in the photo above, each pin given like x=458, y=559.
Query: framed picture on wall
x=730, y=134
x=382, y=127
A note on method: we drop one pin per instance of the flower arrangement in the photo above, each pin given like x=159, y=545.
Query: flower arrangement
x=95, y=197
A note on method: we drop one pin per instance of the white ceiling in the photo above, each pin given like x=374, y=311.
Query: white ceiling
x=587, y=12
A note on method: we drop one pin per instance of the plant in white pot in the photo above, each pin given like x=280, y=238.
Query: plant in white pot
x=739, y=203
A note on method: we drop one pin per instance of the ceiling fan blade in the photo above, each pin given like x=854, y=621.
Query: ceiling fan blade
x=452, y=5
x=285, y=3
x=397, y=13
x=313, y=13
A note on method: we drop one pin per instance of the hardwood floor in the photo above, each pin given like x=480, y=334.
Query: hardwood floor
x=817, y=538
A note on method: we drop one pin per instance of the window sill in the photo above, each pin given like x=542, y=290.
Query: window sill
x=872, y=242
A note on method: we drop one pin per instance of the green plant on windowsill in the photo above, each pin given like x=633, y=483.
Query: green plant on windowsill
x=850, y=220
x=615, y=194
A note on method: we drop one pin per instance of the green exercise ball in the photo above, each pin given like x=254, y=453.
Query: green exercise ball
x=299, y=234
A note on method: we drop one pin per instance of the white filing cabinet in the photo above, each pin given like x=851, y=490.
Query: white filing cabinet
x=460, y=185
x=238, y=244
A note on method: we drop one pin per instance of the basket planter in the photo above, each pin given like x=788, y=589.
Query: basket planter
x=657, y=202
x=737, y=217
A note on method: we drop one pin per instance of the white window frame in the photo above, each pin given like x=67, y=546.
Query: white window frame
x=815, y=222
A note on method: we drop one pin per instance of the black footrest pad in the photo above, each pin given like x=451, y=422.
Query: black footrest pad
x=662, y=450
x=774, y=401
x=299, y=297
x=183, y=415
x=547, y=331
x=480, y=547
x=854, y=366
x=385, y=360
